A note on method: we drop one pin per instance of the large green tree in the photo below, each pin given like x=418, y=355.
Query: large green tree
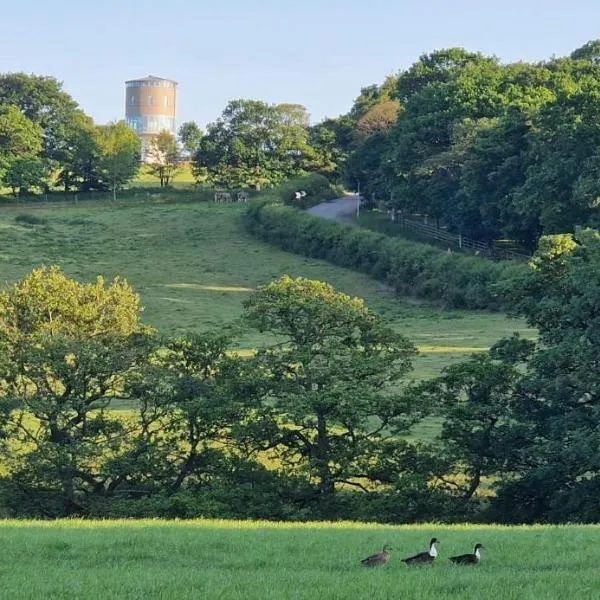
x=331, y=384
x=189, y=135
x=120, y=149
x=254, y=144
x=20, y=137
x=66, y=350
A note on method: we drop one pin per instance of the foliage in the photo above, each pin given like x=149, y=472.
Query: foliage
x=42, y=101
x=189, y=135
x=47, y=302
x=254, y=145
x=410, y=268
x=330, y=382
x=120, y=154
x=489, y=150
x=164, y=158
x=26, y=173
x=559, y=392
x=20, y=138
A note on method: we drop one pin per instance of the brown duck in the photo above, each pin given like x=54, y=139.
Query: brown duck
x=468, y=559
x=424, y=558
x=376, y=560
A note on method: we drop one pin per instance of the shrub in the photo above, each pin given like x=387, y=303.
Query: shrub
x=27, y=219
x=456, y=281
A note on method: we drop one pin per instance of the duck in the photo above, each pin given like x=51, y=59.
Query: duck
x=379, y=559
x=424, y=558
x=468, y=559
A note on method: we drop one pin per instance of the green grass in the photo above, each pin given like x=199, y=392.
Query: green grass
x=271, y=561
x=183, y=177
x=193, y=264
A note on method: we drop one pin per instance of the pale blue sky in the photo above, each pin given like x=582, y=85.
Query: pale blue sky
x=315, y=52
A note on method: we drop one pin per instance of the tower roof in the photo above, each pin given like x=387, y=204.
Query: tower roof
x=151, y=78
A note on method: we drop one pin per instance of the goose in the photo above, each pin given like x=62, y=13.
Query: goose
x=468, y=559
x=424, y=558
x=375, y=560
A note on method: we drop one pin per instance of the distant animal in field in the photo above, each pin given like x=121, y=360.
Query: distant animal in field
x=424, y=558
x=222, y=197
x=468, y=559
x=379, y=559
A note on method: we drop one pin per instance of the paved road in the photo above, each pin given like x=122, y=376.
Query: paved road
x=341, y=209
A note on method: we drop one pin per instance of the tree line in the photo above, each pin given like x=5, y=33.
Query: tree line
x=488, y=149
x=100, y=415
x=48, y=142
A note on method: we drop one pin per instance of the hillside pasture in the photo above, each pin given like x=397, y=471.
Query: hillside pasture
x=232, y=560
x=193, y=264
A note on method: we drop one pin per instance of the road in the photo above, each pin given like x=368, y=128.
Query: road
x=340, y=209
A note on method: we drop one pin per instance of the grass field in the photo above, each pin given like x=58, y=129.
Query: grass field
x=216, y=560
x=183, y=177
x=193, y=264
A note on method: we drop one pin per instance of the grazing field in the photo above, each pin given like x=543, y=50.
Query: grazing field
x=270, y=561
x=193, y=264
x=183, y=177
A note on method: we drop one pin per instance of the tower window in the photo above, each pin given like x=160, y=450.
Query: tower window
x=166, y=100
x=132, y=100
x=150, y=100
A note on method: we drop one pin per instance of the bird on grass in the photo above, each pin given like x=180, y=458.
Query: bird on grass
x=424, y=558
x=379, y=559
x=468, y=559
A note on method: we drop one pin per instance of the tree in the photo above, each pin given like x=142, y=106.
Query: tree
x=331, y=141
x=19, y=137
x=254, y=144
x=25, y=173
x=47, y=303
x=189, y=135
x=329, y=383
x=559, y=395
x=42, y=100
x=164, y=157
x=120, y=154
x=66, y=349
x=378, y=119
x=80, y=158
x=477, y=401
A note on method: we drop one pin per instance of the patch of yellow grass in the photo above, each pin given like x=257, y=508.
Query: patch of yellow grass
x=439, y=349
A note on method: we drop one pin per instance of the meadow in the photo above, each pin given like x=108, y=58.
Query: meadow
x=232, y=560
x=193, y=264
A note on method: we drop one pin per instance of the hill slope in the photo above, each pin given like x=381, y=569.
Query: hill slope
x=193, y=264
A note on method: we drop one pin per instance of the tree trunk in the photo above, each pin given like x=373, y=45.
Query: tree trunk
x=473, y=485
x=326, y=484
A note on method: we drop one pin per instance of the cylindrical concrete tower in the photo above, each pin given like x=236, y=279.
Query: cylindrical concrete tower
x=150, y=107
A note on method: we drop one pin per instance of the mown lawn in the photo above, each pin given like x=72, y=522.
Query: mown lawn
x=213, y=560
x=193, y=264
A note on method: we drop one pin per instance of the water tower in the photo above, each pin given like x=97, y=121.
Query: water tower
x=150, y=107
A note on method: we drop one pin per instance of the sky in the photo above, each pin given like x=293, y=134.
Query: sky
x=318, y=53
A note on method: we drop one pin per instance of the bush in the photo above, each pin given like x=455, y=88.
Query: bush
x=317, y=187
x=26, y=219
x=456, y=281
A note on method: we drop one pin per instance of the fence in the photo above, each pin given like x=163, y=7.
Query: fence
x=480, y=248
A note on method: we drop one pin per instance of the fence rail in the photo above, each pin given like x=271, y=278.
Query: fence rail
x=457, y=239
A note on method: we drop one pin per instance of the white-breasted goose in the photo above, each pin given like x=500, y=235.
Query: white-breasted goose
x=468, y=559
x=424, y=558
x=376, y=560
